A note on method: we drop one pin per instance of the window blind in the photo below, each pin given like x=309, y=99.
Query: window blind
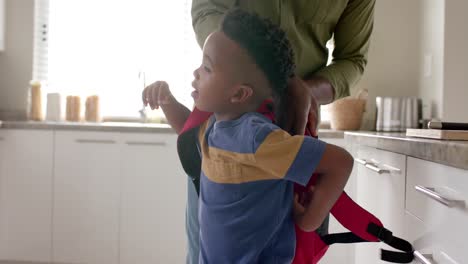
x=41, y=40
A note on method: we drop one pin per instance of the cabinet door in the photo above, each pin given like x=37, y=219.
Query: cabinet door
x=153, y=201
x=25, y=195
x=381, y=191
x=86, y=197
x=340, y=253
x=438, y=195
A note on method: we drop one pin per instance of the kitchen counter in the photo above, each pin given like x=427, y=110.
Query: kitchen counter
x=103, y=127
x=120, y=127
x=451, y=153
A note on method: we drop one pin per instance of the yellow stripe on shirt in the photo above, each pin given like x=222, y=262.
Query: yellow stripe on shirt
x=272, y=159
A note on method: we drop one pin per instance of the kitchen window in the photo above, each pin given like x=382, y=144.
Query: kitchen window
x=105, y=47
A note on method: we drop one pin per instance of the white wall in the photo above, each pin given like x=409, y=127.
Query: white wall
x=455, y=92
x=443, y=46
x=431, y=52
x=2, y=24
x=393, y=66
x=17, y=59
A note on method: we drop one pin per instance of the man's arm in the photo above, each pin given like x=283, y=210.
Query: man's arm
x=206, y=16
x=352, y=38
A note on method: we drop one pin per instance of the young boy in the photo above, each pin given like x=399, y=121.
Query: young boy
x=249, y=164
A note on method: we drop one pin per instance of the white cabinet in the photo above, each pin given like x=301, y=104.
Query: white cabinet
x=381, y=191
x=437, y=195
x=26, y=162
x=87, y=183
x=91, y=197
x=152, y=215
x=340, y=253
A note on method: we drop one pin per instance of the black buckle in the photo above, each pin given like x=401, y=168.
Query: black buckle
x=385, y=235
x=380, y=232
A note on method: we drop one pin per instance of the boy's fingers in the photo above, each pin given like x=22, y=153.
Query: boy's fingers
x=143, y=97
x=156, y=89
x=162, y=94
x=298, y=208
x=146, y=98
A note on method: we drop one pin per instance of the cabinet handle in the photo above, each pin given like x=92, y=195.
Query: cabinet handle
x=372, y=166
x=95, y=141
x=422, y=258
x=142, y=143
x=362, y=161
x=431, y=193
x=375, y=168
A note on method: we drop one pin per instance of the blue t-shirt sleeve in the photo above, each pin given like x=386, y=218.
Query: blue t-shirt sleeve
x=307, y=158
x=292, y=158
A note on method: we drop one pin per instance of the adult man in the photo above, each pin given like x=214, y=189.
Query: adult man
x=309, y=24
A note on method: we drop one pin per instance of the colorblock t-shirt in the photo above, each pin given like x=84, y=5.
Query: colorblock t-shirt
x=249, y=166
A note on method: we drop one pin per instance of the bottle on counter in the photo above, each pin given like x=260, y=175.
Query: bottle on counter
x=73, y=108
x=54, y=107
x=35, y=96
x=92, y=109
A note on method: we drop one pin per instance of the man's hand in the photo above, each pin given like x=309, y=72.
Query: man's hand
x=157, y=94
x=300, y=109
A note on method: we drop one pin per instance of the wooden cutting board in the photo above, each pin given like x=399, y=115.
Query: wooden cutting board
x=438, y=134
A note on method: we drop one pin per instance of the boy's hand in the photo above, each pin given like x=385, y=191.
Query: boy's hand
x=157, y=94
x=301, y=201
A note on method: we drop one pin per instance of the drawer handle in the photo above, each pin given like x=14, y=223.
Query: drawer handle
x=95, y=141
x=375, y=168
x=142, y=143
x=423, y=258
x=372, y=166
x=361, y=161
x=430, y=192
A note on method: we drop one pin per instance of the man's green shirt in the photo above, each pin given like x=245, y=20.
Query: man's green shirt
x=309, y=24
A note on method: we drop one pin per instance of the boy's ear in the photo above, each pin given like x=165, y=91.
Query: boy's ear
x=243, y=93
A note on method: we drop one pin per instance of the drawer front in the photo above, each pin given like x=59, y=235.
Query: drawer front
x=381, y=191
x=437, y=195
x=428, y=248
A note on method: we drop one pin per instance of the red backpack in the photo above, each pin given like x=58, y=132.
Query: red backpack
x=310, y=246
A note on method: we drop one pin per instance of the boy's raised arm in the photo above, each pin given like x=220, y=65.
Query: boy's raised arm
x=158, y=95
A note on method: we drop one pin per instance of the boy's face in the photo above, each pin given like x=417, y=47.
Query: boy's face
x=215, y=80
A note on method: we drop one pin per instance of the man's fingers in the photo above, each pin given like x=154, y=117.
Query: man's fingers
x=312, y=122
x=300, y=123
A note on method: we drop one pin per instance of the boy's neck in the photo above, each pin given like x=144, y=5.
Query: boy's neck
x=236, y=113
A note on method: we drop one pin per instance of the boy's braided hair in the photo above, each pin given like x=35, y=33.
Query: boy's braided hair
x=265, y=42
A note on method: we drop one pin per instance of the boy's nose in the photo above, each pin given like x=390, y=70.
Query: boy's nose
x=196, y=74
